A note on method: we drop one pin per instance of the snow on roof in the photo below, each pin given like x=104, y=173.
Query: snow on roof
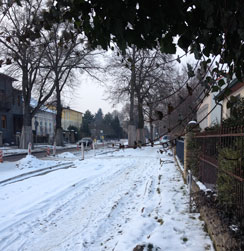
x=33, y=104
x=6, y=76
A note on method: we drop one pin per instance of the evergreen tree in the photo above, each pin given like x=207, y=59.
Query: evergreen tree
x=87, y=120
x=116, y=127
x=99, y=119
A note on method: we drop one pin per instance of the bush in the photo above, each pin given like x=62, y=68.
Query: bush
x=229, y=161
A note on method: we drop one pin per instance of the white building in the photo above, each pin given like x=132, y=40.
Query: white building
x=209, y=114
x=43, y=125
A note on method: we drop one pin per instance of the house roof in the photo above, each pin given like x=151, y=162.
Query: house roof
x=234, y=85
x=33, y=104
x=67, y=108
x=6, y=76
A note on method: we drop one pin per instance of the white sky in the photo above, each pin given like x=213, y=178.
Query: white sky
x=90, y=95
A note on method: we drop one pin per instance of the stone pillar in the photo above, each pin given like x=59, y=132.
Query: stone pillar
x=1, y=138
x=190, y=130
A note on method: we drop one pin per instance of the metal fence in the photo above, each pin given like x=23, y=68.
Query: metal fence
x=221, y=166
x=180, y=150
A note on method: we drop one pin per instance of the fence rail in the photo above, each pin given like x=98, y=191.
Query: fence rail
x=221, y=165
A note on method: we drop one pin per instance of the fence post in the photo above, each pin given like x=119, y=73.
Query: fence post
x=54, y=149
x=190, y=130
x=29, y=148
x=48, y=151
x=82, y=151
x=94, y=148
x=1, y=156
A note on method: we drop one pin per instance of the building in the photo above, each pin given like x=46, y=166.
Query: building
x=236, y=89
x=11, y=110
x=43, y=124
x=71, y=118
x=209, y=114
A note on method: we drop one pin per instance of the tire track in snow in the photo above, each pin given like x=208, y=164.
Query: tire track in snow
x=110, y=202
x=28, y=221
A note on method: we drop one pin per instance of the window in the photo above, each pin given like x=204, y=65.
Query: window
x=4, y=121
x=2, y=95
x=45, y=127
x=19, y=100
x=41, y=128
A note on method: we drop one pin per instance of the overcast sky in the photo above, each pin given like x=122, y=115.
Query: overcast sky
x=89, y=95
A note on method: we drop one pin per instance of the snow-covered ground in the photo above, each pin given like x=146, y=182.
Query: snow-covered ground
x=11, y=150
x=111, y=201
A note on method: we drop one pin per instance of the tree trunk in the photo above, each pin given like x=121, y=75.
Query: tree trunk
x=140, y=130
x=131, y=135
x=132, y=127
x=140, y=136
x=59, y=130
x=59, y=137
x=26, y=133
x=151, y=123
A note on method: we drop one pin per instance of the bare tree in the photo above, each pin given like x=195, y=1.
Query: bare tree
x=66, y=52
x=123, y=70
x=145, y=72
x=24, y=50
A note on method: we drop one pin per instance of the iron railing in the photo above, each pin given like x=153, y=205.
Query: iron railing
x=221, y=154
x=180, y=150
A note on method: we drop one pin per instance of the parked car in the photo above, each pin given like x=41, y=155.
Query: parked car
x=87, y=142
x=165, y=140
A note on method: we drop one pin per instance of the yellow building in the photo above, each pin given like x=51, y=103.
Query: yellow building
x=71, y=118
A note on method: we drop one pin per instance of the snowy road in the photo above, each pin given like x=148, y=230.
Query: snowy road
x=111, y=202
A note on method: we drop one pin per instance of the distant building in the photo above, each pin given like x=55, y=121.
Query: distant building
x=71, y=118
x=11, y=110
x=43, y=124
